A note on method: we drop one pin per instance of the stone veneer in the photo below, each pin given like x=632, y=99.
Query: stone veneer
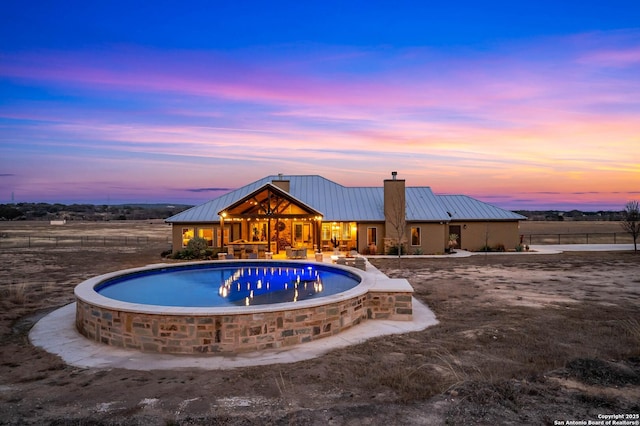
x=174, y=331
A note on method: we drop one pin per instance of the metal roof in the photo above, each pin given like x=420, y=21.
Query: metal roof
x=359, y=204
x=423, y=204
x=463, y=207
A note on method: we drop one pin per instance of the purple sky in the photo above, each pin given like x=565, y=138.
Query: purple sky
x=529, y=106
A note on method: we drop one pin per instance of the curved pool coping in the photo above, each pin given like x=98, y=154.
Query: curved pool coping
x=86, y=291
x=224, y=330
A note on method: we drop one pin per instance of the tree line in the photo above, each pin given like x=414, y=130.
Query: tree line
x=88, y=212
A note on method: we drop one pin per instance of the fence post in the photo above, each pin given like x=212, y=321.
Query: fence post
x=587, y=238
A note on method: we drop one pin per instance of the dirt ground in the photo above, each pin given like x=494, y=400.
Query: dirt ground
x=522, y=339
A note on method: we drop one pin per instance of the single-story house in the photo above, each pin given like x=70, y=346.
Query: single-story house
x=310, y=211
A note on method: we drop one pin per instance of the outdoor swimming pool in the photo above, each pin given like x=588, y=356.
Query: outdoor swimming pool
x=224, y=284
x=226, y=307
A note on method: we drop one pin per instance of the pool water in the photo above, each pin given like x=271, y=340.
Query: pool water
x=220, y=285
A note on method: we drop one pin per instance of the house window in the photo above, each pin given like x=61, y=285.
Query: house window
x=206, y=234
x=415, y=237
x=326, y=231
x=346, y=231
x=187, y=234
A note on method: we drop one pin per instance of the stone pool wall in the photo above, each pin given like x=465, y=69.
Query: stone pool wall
x=233, y=333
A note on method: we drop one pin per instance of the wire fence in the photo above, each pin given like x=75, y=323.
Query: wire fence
x=33, y=241
x=578, y=238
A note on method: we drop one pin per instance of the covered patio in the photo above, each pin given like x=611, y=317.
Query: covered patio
x=270, y=222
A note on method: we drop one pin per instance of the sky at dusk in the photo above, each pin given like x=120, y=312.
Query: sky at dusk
x=525, y=105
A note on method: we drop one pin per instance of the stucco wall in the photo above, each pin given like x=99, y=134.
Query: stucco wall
x=362, y=236
x=176, y=233
x=432, y=236
x=478, y=234
x=176, y=236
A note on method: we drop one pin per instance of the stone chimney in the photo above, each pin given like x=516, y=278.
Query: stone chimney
x=282, y=183
x=394, y=207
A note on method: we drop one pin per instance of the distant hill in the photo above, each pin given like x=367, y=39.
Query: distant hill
x=88, y=212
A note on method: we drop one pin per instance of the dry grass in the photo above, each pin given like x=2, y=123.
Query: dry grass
x=487, y=338
x=508, y=326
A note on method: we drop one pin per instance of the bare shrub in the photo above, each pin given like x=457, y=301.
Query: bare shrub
x=631, y=222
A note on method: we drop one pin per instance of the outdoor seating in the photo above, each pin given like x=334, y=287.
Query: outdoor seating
x=296, y=253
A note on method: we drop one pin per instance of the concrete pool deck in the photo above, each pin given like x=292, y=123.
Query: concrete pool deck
x=56, y=333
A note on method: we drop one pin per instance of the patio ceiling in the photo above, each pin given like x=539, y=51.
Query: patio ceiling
x=269, y=201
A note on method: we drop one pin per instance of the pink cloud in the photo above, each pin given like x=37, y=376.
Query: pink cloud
x=475, y=124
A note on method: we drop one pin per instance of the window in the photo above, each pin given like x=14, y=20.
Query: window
x=415, y=237
x=346, y=231
x=187, y=234
x=206, y=234
x=326, y=231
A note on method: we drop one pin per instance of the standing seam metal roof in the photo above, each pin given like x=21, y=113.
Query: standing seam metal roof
x=339, y=203
x=463, y=207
